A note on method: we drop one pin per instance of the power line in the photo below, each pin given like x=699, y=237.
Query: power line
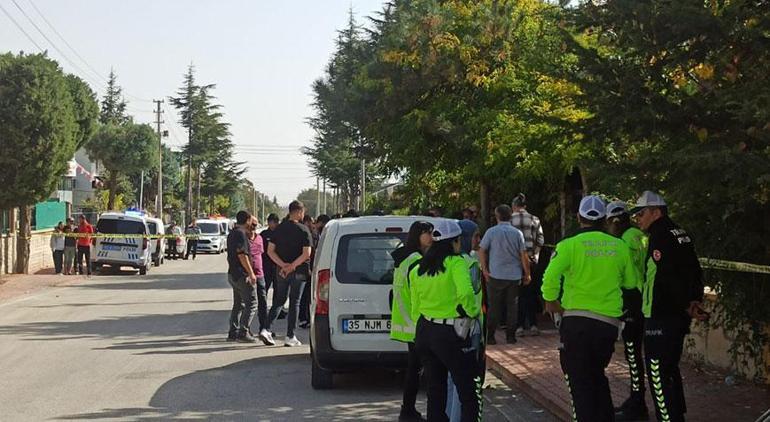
x=21, y=29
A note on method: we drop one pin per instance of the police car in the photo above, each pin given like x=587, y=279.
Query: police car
x=352, y=285
x=128, y=248
x=213, y=237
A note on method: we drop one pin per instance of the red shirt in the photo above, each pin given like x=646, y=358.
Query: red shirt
x=85, y=228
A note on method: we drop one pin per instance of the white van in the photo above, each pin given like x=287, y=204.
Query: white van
x=213, y=236
x=156, y=227
x=352, y=292
x=134, y=251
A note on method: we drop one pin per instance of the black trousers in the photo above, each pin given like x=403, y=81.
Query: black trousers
x=443, y=353
x=503, y=296
x=58, y=260
x=633, y=340
x=586, y=350
x=528, y=306
x=84, y=252
x=192, y=246
x=292, y=288
x=244, y=304
x=411, y=378
x=663, y=344
x=304, y=304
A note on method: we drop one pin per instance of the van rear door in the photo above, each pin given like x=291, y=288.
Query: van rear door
x=361, y=291
x=120, y=248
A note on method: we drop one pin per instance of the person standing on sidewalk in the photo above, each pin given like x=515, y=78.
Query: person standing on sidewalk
x=70, y=250
x=595, y=267
x=256, y=249
x=470, y=230
x=671, y=298
x=445, y=305
x=192, y=232
x=290, y=249
x=57, y=247
x=304, y=303
x=619, y=225
x=85, y=229
x=402, y=326
x=268, y=266
x=529, y=295
x=505, y=264
x=242, y=279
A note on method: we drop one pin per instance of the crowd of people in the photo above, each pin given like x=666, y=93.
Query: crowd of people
x=454, y=289
x=72, y=255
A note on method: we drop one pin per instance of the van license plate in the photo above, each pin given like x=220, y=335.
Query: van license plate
x=365, y=325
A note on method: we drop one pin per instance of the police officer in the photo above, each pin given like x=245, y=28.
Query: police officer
x=402, y=326
x=595, y=267
x=672, y=295
x=619, y=225
x=445, y=306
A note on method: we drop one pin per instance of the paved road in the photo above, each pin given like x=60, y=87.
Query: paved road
x=125, y=347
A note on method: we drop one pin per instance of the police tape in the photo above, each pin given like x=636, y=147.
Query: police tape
x=744, y=267
x=125, y=236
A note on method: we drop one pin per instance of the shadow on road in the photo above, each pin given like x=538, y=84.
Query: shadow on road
x=159, y=282
x=275, y=388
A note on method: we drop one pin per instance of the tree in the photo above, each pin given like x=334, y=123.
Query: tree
x=113, y=104
x=123, y=150
x=38, y=136
x=85, y=107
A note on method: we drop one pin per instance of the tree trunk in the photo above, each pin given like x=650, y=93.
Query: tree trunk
x=188, y=202
x=484, y=204
x=113, y=189
x=22, y=239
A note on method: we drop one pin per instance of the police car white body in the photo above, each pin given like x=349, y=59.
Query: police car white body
x=213, y=236
x=352, y=283
x=128, y=248
x=156, y=227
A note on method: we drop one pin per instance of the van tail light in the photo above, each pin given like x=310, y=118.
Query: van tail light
x=145, y=242
x=322, y=292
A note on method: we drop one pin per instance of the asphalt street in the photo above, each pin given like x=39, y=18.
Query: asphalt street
x=130, y=347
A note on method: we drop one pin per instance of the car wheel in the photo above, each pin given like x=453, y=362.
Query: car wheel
x=143, y=270
x=320, y=379
x=156, y=262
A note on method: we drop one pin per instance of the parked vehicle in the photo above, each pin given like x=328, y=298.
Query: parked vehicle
x=213, y=236
x=352, y=292
x=156, y=227
x=134, y=251
x=176, y=246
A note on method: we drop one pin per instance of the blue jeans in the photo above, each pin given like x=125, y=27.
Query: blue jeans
x=291, y=287
x=453, y=408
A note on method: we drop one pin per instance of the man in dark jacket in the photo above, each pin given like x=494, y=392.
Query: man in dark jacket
x=672, y=295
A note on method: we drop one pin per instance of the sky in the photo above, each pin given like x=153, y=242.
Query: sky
x=262, y=55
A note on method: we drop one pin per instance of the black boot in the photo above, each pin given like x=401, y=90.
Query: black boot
x=633, y=409
x=410, y=415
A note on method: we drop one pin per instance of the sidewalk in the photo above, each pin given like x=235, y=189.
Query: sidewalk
x=532, y=365
x=15, y=285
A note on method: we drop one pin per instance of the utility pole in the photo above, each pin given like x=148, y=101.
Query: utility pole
x=141, y=192
x=158, y=121
x=363, y=185
x=317, y=197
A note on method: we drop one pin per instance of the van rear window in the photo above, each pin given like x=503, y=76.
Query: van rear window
x=365, y=258
x=152, y=227
x=111, y=226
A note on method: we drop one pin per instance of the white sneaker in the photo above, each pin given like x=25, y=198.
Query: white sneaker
x=292, y=342
x=266, y=338
x=520, y=332
x=533, y=331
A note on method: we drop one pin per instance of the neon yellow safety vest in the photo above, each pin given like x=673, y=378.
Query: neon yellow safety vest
x=402, y=326
x=595, y=267
x=438, y=296
x=637, y=244
x=474, y=268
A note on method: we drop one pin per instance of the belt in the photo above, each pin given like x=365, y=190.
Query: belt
x=444, y=321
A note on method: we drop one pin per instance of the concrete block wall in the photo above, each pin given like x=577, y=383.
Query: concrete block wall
x=7, y=254
x=40, y=256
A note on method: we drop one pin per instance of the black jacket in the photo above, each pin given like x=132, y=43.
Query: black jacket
x=673, y=276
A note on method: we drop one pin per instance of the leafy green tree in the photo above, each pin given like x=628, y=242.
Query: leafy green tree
x=124, y=149
x=38, y=136
x=85, y=107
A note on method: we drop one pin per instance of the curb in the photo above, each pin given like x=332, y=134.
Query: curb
x=514, y=382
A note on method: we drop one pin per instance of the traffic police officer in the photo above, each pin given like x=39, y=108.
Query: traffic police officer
x=402, y=327
x=445, y=304
x=619, y=225
x=672, y=295
x=595, y=267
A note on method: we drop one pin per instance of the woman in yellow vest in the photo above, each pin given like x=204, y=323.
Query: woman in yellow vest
x=445, y=306
x=402, y=327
